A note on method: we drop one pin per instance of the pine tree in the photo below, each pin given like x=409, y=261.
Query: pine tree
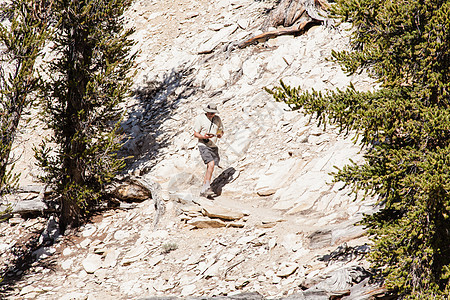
x=21, y=39
x=405, y=129
x=88, y=79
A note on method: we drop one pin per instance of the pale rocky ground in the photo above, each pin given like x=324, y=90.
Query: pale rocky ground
x=280, y=211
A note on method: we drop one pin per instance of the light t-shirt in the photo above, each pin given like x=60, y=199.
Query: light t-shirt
x=204, y=125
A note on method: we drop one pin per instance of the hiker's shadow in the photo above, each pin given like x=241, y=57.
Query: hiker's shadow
x=224, y=178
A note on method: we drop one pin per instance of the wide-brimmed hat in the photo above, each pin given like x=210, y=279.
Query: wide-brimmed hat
x=211, y=108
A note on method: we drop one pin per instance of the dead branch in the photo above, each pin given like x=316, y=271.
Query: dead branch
x=294, y=16
x=271, y=34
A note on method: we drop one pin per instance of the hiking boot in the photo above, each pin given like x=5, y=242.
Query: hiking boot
x=207, y=194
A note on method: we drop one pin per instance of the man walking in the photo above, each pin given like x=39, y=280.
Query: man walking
x=207, y=128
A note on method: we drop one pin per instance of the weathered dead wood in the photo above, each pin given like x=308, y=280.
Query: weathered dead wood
x=155, y=191
x=34, y=206
x=294, y=16
x=138, y=189
x=290, y=12
x=31, y=189
x=283, y=31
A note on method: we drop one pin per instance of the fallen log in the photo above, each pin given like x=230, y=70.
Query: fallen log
x=30, y=206
x=25, y=207
x=35, y=206
x=31, y=189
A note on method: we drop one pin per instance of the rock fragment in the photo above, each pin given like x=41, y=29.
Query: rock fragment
x=92, y=263
x=202, y=222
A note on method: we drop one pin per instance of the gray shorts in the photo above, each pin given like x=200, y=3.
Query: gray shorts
x=209, y=154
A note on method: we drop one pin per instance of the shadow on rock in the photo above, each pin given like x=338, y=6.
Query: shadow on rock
x=224, y=178
x=158, y=99
x=31, y=250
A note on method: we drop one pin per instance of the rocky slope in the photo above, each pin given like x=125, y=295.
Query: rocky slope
x=272, y=230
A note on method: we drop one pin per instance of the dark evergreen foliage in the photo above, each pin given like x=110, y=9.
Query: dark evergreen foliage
x=405, y=128
x=21, y=39
x=88, y=79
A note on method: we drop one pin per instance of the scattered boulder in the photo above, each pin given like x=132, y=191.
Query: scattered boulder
x=130, y=192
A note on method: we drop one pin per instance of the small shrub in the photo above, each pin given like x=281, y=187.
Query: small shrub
x=168, y=247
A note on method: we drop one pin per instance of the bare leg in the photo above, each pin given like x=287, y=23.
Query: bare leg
x=209, y=172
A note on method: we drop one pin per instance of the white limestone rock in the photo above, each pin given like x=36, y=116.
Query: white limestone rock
x=215, y=82
x=92, y=263
x=287, y=269
x=243, y=23
x=156, y=235
x=121, y=235
x=85, y=243
x=134, y=254
x=275, y=177
x=309, y=182
x=89, y=229
x=67, y=264
x=216, y=27
x=240, y=143
x=111, y=256
x=75, y=296
x=188, y=290
x=182, y=181
x=220, y=212
x=183, y=198
x=202, y=222
x=154, y=260
x=279, y=63
x=251, y=68
x=222, y=36
x=102, y=274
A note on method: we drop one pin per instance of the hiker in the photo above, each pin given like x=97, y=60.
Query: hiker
x=207, y=128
